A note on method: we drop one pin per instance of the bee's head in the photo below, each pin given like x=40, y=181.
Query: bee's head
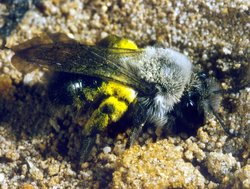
x=198, y=100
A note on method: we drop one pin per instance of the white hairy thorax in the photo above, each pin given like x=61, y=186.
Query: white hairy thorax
x=169, y=72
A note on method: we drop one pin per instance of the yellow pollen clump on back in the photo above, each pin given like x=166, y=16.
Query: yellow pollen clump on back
x=125, y=44
x=120, y=91
x=110, y=110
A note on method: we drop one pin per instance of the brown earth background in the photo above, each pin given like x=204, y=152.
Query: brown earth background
x=39, y=142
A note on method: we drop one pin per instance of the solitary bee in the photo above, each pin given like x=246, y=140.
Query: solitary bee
x=159, y=83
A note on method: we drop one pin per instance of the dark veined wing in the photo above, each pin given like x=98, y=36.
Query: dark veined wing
x=60, y=53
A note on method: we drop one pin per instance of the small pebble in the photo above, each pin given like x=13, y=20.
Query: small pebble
x=53, y=169
x=2, y=177
x=106, y=150
x=27, y=186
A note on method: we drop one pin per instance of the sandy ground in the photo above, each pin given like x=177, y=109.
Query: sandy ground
x=39, y=142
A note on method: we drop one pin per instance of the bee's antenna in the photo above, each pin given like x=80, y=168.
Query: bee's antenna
x=221, y=122
x=220, y=91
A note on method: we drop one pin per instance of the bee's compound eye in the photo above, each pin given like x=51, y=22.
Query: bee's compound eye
x=189, y=113
x=190, y=103
x=193, y=113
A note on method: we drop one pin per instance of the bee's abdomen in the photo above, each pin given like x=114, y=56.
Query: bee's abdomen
x=103, y=102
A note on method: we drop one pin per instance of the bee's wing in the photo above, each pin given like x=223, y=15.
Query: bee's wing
x=62, y=54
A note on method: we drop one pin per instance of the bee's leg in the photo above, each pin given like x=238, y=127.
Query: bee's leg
x=139, y=120
x=134, y=135
x=87, y=144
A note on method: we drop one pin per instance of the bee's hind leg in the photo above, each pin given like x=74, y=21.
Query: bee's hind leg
x=134, y=135
x=87, y=144
x=139, y=120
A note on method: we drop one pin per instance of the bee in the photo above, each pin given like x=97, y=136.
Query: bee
x=161, y=84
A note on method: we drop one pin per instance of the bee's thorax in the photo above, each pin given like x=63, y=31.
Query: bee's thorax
x=168, y=71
